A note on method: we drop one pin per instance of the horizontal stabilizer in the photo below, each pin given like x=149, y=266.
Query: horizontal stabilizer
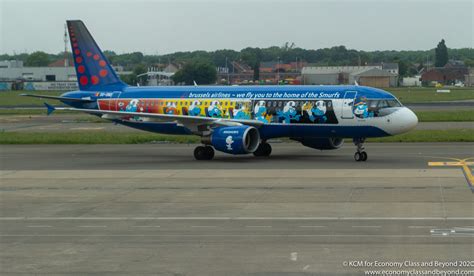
x=50, y=108
x=83, y=100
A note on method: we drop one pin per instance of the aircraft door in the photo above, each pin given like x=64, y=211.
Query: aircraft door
x=348, y=104
x=115, y=97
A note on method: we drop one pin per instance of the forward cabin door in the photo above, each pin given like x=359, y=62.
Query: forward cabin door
x=348, y=104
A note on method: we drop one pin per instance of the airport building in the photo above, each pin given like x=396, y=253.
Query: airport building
x=383, y=75
x=13, y=75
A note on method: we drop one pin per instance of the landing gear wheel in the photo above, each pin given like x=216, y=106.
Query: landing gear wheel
x=357, y=156
x=364, y=156
x=203, y=153
x=264, y=149
x=360, y=155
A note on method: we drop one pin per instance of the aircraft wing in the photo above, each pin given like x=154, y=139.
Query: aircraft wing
x=194, y=123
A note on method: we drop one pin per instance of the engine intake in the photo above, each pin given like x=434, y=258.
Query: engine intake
x=235, y=140
x=321, y=143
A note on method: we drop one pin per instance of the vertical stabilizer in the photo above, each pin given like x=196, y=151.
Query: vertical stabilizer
x=94, y=72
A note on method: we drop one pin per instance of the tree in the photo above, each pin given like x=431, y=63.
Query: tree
x=441, y=54
x=199, y=71
x=37, y=59
x=132, y=78
x=253, y=57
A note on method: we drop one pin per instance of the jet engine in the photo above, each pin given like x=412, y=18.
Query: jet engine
x=321, y=143
x=235, y=139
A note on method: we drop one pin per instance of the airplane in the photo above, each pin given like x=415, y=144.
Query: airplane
x=233, y=119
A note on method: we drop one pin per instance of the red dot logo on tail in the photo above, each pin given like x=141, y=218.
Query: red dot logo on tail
x=94, y=80
x=81, y=69
x=84, y=80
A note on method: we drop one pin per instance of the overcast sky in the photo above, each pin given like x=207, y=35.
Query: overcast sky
x=159, y=27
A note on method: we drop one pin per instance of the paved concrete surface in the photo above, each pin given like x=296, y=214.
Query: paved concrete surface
x=151, y=209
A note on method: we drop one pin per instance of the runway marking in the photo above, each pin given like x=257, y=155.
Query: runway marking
x=203, y=226
x=93, y=226
x=230, y=218
x=148, y=226
x=258, y=226
x=39, y=226
x=463, y=163
x=306, y=267
x=294, y=256
x=312, y=226
x=366, y=226
x=421, y=226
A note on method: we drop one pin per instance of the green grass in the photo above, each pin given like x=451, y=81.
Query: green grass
x=446, y=116
x=32, y=111
x=426, y=94
x=91, y=138
x=451, y=135
x=102, y=137
x=13, y=98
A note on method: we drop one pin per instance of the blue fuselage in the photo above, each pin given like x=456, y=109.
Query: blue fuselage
x=286, y=111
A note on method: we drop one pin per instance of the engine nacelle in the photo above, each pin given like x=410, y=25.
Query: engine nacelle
x=321, y=143
x=235, y=139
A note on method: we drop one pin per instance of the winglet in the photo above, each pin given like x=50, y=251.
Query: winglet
x=50, y=108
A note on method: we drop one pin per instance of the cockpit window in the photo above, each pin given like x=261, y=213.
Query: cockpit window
x=367, y=108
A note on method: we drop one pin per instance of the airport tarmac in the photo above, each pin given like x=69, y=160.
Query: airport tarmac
x=151, y=209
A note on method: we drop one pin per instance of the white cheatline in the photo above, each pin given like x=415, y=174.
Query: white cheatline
x=233, y=218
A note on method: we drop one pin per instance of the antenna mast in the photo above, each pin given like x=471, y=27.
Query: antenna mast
x=66, y=62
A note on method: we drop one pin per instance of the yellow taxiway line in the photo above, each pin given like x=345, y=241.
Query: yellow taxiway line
x=463, y=163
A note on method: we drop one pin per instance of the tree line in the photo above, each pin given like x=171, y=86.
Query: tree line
x=409, y=61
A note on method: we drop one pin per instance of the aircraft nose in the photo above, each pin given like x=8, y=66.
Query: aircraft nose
x=408, y=119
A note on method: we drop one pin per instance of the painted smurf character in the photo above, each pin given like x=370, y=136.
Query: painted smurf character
x=361, y=110
x=289, y=113
x=260, y=111
x=121, y=106
x=194, y=109
x=319, y=112
x=229, y=141
x=240, y=112
x=171, y=108
x=214, y=109
x=132, y=106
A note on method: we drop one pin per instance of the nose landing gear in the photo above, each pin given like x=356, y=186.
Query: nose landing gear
x=360, y=154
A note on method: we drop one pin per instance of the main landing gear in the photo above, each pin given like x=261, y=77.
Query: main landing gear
x=360, y=155
x=264, y=149
x=203, y=153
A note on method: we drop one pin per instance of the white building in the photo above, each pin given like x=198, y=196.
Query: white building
x=13, y=70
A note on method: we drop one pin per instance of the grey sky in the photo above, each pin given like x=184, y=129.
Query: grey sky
x=168, y=26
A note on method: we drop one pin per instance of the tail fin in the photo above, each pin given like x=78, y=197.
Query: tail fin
x=94, y=72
